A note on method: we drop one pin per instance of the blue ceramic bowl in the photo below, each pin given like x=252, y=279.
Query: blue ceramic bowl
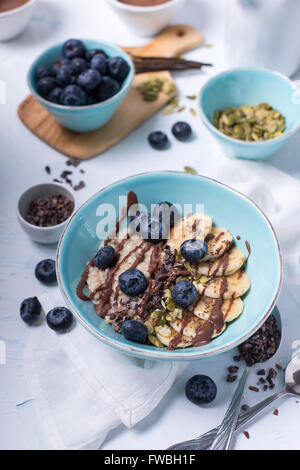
x=81, y=118
x=240, y=87
x=227, y=207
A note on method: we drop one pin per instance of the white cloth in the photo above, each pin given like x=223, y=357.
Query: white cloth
x=84, y=389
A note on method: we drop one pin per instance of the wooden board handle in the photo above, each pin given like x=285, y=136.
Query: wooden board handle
x=170, y=43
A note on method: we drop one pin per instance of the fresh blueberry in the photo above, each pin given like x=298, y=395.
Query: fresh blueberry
x=64, y=75
x=184, y=293
x=107, y=88
x=166, y=212
x=158, y=140
x=200, y=389
x=194, y=249
x=55, y=95
x=42, y=72
x=59, y=319
x=153, y=230
x=59, y=63
x=132, y=282
x=73, y=48
x=73, y=95
x=134, y=330
x=91, y=98
x=105, y=257
x=149, y=228
x=117, y=68
x=45, y=85
x=45, y=271
x=182, y=131
x=89, y=79
x=79, y=64
x=30, y=310
x=99, y=63
x=92, y=52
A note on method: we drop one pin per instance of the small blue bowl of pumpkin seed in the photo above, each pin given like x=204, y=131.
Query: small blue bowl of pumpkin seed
x=251, y=112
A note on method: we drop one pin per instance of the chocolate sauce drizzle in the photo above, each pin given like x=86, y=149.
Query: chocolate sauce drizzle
x=162, y=271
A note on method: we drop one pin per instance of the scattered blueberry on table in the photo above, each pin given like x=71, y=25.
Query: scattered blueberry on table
x=30, y=310
x=132, y=282
x=81, y=77
x=45, y=271
x=105, y=257
x=200, y=390
x=182, y=131
x=194, y=249
x=184, y=293
x=134, y=330
x=158, y=140
x=59, y=319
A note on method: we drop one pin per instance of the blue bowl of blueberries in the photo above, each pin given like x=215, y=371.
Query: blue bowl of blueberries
x=81, y=82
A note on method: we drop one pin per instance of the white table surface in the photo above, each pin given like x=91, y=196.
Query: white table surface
x=23, y=158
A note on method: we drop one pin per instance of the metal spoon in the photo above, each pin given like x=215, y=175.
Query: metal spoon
x=221, y=437
x=292, y=388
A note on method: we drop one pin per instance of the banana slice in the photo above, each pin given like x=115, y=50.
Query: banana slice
x=237, y=285
x=231, y=309
x=191, y=226
x=217, y=245
x=165, y=334
x=192, y=328
x=228, y=264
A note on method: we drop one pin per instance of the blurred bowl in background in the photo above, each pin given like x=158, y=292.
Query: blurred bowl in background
x=14, y=21
x=146, y=21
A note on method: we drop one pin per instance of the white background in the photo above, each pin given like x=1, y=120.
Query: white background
x=23, y=158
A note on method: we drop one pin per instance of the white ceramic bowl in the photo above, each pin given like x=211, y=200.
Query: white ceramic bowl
x=13, y=22
x=42, y=234
x=146, y=21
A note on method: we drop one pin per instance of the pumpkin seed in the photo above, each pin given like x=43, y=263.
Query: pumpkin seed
x=252, y=123
x=189, y=169
x=155, y=341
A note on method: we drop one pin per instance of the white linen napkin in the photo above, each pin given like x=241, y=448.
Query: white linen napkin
x=84, y=389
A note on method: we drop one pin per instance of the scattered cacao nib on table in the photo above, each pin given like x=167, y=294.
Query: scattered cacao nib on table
x=246, y=434
x=231, y=378
x=48, y=169
x=253, y=389
x=245, y=407
x=275, y=412
x=50, y=211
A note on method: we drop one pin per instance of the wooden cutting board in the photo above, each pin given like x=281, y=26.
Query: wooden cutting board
x=132, y=112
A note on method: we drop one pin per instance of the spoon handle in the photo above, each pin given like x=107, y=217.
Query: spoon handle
x=224, y=435
x=205, y=441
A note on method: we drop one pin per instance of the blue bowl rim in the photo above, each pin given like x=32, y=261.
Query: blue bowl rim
x=163, y=354
x=212, y=128
x=122, y=91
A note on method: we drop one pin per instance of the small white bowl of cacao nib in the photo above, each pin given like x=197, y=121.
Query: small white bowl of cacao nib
x=43, y=211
